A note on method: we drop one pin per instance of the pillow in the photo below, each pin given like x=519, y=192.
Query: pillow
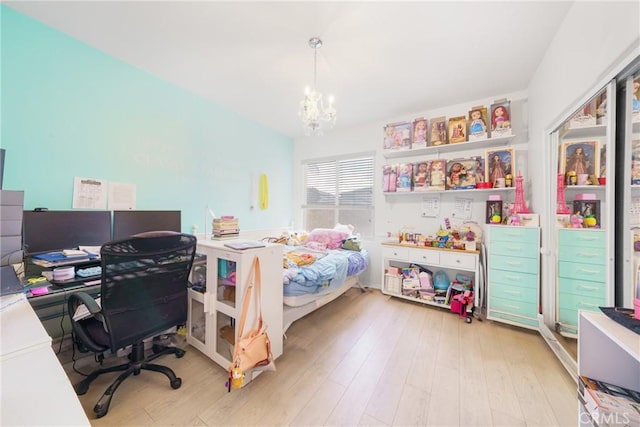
x=332, y=238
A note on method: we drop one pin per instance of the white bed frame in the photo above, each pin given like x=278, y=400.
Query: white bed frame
x=291, y=314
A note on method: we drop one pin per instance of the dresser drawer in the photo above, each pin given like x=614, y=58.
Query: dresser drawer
x=394, y=252
x=586, y=288
x=570, y=317
x=424, y=256
x=576, y=270
x=519, y=278
x=523, y=235
x=524, y=265
x=513, y=292
x=513, y=248
x=581, y=238
x=530, y=322
x=525, y=309
x=458, y=260
x=583, y=254
x=579, y=302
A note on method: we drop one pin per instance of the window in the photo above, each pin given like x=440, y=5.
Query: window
x=339, y=191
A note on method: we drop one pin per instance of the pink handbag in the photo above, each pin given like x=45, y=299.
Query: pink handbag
x=252, y=351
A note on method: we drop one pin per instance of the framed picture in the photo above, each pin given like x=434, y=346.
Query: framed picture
x=500, y=118
x=477, y=123
x=499, y=164
x=419, y=134
x=457, y=129
x=397, y=136
x=461, y=173
x=580, y=157
x=438, y=132
x=589, y=210
x=586, y=116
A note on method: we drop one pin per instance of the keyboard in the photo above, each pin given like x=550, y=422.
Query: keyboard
x=89, y=271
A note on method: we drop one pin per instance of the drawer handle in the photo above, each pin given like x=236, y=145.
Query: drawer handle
x=514, y=248
x=587, y=239
x=588, y=288
x=512, y=292
x=514, y=234
x=584, y=270
x=512, y=277
x=587, y=254
x=513, y=263
x=515, y=307
x=586, y=304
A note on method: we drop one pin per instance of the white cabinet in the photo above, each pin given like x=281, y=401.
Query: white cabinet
x=607, y=352
x=451, y=261
x=215, y=302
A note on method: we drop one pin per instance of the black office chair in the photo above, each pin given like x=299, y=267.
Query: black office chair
x=143, y=293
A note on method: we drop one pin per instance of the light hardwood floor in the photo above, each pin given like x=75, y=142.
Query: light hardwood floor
x=364, y=359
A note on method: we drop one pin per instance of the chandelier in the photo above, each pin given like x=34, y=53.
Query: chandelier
x=312, y=109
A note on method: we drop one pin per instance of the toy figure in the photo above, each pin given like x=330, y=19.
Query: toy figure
x=477, y=126
x=500, y=118
x=389, y=137
x=404, y=177
x=479, y=170
x=636, y=94
x=497, y=169
x=420, y=133
x=420, y=175
x=578, y=162
x=437, y=174
x=576, y=220
x=457, y=169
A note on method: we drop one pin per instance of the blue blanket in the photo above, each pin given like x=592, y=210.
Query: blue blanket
x=328, y=272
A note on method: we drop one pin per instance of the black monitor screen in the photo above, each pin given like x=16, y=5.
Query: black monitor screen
x=56, y=230
x=128, y=223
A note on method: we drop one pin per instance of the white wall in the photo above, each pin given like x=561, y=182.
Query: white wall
x=594, y=42
x=395, y=212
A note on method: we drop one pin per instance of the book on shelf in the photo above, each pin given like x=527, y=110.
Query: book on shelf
x=225, y=236
x=244, y=245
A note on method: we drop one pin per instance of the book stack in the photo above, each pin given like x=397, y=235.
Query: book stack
x=225, y=227
x=609, y=404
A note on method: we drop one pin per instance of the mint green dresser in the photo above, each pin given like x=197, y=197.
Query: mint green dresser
x=582, y=274
x=514, y=275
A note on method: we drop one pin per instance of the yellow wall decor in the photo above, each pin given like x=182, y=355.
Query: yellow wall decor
x=264, y=192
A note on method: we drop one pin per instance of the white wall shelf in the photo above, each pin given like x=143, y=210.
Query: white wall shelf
x=426, y=193
x=585, y=132
x=489, y=142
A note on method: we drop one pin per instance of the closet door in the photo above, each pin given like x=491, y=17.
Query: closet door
x=584, y=219
x=628, y=247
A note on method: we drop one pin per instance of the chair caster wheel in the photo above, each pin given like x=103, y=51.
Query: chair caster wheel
x=180, y=353
x=100, y=410
x=175, y=384
x=468, y=320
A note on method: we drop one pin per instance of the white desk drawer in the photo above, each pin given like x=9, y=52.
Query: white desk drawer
x=393, y=252
x=424, y=256
x=458, y=260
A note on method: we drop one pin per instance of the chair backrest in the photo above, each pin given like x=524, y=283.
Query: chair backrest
x=144, y=284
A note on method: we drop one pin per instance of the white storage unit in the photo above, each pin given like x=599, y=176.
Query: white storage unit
x=215, y=307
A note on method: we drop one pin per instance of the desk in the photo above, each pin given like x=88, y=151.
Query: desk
x=34, y=389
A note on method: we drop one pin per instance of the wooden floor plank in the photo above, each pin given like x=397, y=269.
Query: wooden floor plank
x=364, y=359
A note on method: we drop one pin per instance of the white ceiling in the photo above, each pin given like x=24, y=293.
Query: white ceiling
x=380, y=60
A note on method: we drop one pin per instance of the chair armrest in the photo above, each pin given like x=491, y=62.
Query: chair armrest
x=87, y=300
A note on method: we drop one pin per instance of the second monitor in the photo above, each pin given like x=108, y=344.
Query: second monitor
x=128, y=223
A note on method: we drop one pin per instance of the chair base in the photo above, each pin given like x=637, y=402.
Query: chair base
x=137, y=363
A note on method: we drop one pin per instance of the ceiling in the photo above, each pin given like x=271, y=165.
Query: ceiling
x=380, y=60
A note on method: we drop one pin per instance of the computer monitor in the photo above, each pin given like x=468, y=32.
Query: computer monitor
x=128, y=223
x=56, y=230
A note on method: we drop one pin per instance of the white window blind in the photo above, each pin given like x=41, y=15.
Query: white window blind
x=341, y=191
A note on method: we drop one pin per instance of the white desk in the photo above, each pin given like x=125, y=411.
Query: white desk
x=34, y=389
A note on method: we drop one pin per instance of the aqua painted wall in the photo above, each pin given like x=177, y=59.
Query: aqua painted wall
x=69, y=110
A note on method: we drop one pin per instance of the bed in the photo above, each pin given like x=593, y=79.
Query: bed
x=319, y=270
